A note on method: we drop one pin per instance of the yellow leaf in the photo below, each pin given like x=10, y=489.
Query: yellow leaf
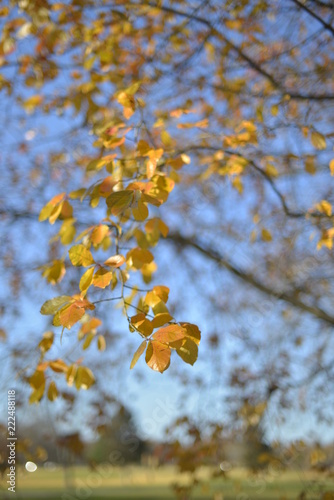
x=271, y=170
x=37, y=382
x=67, y=231
x=50, y=206
x=140, y=212
x=158, y=356
x=70, y=315
x=185, y=158
x=55, y=273
x=310, y=165
x=53, y=305
x=90, y=325
x=47, y=341
x=80, y=256
x=86, y=279
x=169, y=334
x=137, y=354
x=162, y=292
x=147, y=270
x=99, y=233
x=193, y=332
x=137, y=257
x=70, y=374
x=58, y=366
x=84, y=378
x=52, y=391
x=266, y=235
x=318, y=140
x=142, y=324
x=143, y=147
x=326, y=239
x=150, y=168
x=151, y=299
x=188, y=351
x=274, y=110
x=237, y=184
x=119, y=201
x=324, y=207
x=101, y=343
x=32, y=102
x=88, y=340
x=102, y=278
x=161, y=319
x=331, y=166
x=115, y=261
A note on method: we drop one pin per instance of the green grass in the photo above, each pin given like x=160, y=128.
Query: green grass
x=134, y=482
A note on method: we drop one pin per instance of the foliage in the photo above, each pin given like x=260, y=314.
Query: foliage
x=205, y=128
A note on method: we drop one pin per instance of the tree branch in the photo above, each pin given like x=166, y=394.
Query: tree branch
x=246, y=277
x=245, y=57
x=302, y=6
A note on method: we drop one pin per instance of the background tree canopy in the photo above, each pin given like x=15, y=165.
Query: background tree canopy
x=179, y=158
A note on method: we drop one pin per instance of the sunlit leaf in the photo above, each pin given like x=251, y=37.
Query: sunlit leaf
x=115, y=261
x=137, y=354
x=86, y=279
x=51, y=306
x=102, y=278
x=158, y=356
x=169, y=334
x=81, y=256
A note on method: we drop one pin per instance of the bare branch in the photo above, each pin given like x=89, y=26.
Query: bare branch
x=246, y=277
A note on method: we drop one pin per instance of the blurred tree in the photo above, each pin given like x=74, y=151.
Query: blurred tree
x=206, y=125
x=119, y=443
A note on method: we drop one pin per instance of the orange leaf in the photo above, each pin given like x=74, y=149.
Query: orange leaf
x=158, y=356
x=102, y=278
x=99, y=233
x=58, y=366
x=70, y=315
x=115, y=261
x=169, y=334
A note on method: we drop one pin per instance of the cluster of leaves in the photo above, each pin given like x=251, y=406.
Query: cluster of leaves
x=224, y=112
x=142, y=178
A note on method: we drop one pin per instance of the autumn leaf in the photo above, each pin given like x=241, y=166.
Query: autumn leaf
x=86, y=279
x=142, y=324
x=137, y=257
x=37, y=382
x=46, y=342
x=137, y=354
x=53, y=305
x=83, y=378
x=54, y=273
x=161, y=319
x=119, y=201
x=58, y=366
x=188, y=351
x=99, y=233
x=318, y=140
x=158, y=356
x=80, y=256
x=101, y=343
x=169, y=334
x=52, y=391
x=115, y=261
x=102, y=278
x=192, y=331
